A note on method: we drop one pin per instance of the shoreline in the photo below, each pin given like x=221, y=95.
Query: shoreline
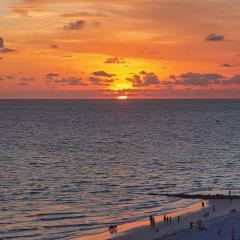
x=128, y=228
x=141, y=230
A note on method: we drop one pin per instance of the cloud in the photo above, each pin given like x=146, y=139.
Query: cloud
x=3, y=49
x=214, y=38
x=72, y=81
x=51, y=76
x=84, y=14
x=22, y=81
x=198, y=79
x=202, y=80
x=115, y=60
x=78, y=25
x=100, y=81
x=235, y=80
x=144, y=79
x=56, y=78
x=7, y=77
x=227, y=65
x=101, y=78
x=26, y=81
x=103, y=74
x=54, y=46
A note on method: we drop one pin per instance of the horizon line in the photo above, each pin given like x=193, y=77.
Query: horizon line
x=129, y=99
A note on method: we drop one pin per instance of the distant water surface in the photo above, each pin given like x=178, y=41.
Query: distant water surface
x=69, y=168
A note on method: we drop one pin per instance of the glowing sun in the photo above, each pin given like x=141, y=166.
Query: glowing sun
x=122, y=97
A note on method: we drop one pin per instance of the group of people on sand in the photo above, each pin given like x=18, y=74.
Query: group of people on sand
x=169, y=220
x=113, y=229
x=166, y=219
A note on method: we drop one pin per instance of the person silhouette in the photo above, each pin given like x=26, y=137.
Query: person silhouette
x=213, y=208
x=164, y=218
x=152, y=222
x=191, y=224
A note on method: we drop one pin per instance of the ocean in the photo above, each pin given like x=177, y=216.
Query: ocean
x=72, y=167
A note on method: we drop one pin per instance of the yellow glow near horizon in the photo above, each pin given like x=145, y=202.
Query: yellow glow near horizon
x=122, y=97
x=120, y=85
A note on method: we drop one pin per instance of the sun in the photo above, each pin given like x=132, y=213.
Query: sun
x=122, y=97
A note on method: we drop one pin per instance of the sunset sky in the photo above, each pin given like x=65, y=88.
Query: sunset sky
x=106, y=49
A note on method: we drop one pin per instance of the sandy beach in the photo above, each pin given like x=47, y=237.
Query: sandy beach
x=219, y=219
x=222, y=224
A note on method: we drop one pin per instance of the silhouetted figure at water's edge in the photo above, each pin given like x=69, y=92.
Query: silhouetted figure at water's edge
x=152, y=222
x=113, y=229
x=164, y=218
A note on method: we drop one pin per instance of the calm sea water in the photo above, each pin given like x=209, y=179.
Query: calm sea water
x=68, y=168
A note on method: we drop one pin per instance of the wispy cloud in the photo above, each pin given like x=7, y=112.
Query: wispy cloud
x=84, y=15
x=100, y=81
x=26, y=81
x=213, y=37
x=77, y=25
x=58, y=79
x=4, y=49
x=114, y=60
x=227, y=65
x=103, y=74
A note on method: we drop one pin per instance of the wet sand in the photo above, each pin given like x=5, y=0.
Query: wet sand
x=137, y=227
x=222, y=219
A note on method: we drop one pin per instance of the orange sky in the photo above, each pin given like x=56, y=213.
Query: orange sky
x=103, y=49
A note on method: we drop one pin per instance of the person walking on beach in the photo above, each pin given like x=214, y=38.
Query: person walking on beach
x=164, y=218
x=178, y=219
x=152, y=222
x=203, y=204
x=230, y=196
x=213, y=208
x=191, y=224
